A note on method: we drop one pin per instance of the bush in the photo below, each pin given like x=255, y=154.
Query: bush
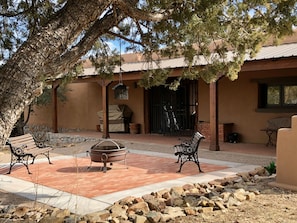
x=271, y=168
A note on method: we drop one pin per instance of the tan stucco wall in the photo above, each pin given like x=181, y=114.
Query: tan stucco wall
x=41, y=115
x=237, y=103
x=77, y=112
x=83, y=102
x=286, y=151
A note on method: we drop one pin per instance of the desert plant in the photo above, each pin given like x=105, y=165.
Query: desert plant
x=271, y=168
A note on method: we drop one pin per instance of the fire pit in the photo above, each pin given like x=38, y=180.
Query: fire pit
x=107, y=151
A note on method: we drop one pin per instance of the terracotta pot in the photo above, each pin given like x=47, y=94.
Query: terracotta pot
x=98, y=128
x=134, y=128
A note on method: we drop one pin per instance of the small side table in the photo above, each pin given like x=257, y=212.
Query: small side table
x=271, y=138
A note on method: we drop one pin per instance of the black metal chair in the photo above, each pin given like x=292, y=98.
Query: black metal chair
x=188, y=151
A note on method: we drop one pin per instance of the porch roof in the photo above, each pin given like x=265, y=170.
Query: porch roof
x=266, y=53
x=273, y=52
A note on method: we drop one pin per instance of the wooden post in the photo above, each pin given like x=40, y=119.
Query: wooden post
x=104, y=84
x=213, y=112
x=55, y=86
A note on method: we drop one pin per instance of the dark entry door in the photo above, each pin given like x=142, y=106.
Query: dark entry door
x=172, y=111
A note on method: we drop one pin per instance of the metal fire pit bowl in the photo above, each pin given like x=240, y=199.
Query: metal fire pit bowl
x=107, y=151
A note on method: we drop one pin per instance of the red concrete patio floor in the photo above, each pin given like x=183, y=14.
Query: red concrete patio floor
x=73, y=176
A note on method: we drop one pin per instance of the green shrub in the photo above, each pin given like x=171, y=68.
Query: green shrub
x=271, y=168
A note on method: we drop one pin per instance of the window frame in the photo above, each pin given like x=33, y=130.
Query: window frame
x=263, y=85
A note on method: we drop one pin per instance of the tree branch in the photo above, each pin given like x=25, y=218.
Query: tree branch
x=100, y=27
x=124, y=38
x=130, y=9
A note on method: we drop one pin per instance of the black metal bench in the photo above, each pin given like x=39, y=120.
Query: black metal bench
x=24, y=147
x=188, y=151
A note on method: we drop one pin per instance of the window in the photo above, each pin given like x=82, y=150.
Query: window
x=273, y=95
x=290, y=95
x=278, y=94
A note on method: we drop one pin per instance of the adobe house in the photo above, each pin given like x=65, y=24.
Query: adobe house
x=265, y=89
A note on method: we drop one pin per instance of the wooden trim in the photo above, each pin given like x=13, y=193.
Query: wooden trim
x=270, y=64
x=277, y=110
x=126, y=76
x=276, y=80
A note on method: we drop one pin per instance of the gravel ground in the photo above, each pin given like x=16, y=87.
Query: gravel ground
x=273, y=205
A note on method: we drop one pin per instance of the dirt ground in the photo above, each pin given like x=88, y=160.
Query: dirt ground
x=273, y=205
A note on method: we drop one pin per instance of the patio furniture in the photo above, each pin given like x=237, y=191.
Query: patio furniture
x=24, y=147
x=119, y=117
x=188, y=151
x=273, y=125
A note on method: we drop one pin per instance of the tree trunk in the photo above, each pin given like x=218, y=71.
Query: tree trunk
x=21, y=77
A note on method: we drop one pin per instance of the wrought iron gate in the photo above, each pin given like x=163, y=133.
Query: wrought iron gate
x=173, y=111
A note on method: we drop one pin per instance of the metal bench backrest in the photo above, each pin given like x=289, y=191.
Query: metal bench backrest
x=280, y=122
x=22, y=140
x=197, y=137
